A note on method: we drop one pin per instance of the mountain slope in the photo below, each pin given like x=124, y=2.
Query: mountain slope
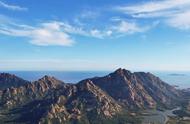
x=160, y=91
x=137, y=89
x=86, y=101
x=28, y=92
x=50, y=100
x=9, y=80
x=99, y=100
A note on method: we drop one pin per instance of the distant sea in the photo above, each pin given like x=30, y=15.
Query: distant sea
x=180, y=79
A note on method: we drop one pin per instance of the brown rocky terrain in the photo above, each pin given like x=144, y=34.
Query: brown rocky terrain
x=137, y=89
x=52, y=101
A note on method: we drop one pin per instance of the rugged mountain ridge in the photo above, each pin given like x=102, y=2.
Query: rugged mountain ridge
x=83, y=99
x=137, y=90
x=49, y=100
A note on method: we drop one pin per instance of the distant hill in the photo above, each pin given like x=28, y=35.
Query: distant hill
x=9, y=80
x=100, y=100
x=176, y=74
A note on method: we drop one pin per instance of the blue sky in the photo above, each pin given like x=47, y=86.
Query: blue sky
x=95, y=35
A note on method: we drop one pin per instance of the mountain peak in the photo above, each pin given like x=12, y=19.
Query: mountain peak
x=8, y=76
x=49, y=81
x=9, y=80
x=46, y=77
x=121, y=71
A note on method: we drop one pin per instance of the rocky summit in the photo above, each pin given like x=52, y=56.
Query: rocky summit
x=101, y=100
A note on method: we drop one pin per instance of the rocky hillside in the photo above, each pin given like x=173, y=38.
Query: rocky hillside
x=91, y=101
x=9, y=80
x=137, y=90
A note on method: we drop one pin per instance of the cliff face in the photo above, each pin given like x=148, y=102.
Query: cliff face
x=49, y=100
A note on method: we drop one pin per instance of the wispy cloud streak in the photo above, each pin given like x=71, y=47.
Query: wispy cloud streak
x=12, y=7
x=43, y=35
x=174, y=13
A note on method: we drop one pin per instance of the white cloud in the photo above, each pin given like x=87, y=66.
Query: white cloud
x=73, y=29
x=96, y=33
x=51, y=33
x=181, y=20
x=43, y=35
x=109, y=32
x=61, y=33
x=120, y=28
x=157, y=14
x=12, y=7
x=127, y=27
x=47, y=36
x=89, y=14
x=174, y=13
x=155, y=6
